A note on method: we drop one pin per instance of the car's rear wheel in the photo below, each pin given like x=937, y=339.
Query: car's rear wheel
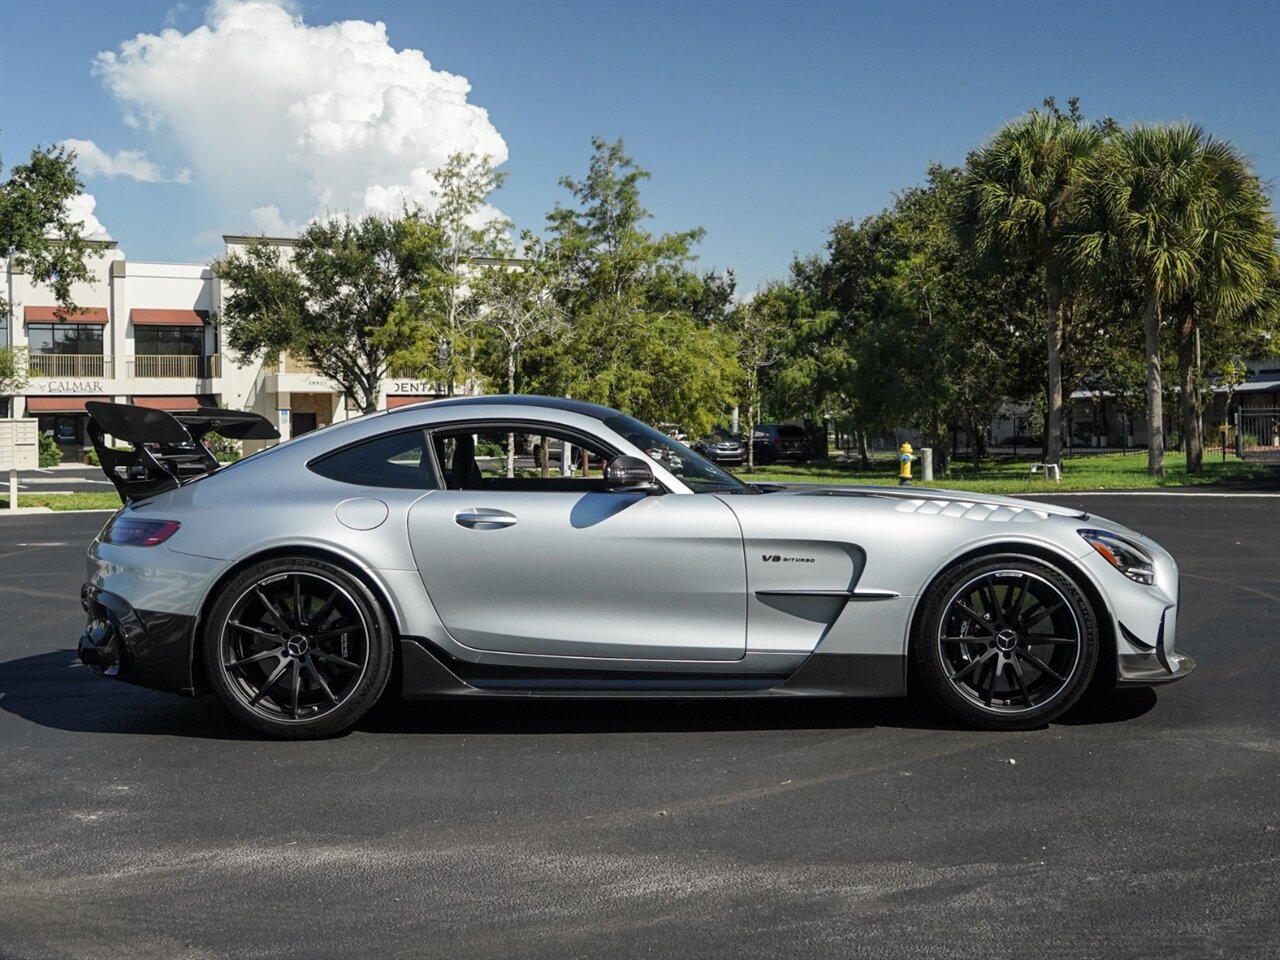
x=1006, y=642
x=297, y=648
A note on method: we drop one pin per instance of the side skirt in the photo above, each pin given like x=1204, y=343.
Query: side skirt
x=429, y=673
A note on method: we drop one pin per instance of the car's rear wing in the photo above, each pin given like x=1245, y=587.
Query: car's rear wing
x=167, y=448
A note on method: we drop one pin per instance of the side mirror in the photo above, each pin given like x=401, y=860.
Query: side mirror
x=629, y=473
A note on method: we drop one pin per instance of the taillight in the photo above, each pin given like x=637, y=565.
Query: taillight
x=127, y=532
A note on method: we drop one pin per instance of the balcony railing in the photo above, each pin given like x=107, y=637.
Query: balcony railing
x=291, y=365
x=69, y=364
x=177, y=366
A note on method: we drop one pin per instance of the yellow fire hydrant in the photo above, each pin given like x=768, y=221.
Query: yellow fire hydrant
x=905, y=457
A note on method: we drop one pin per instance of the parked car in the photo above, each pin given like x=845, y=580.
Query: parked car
x=674, y=431
x=304, y=582
x=722, y=447
x=779, y=441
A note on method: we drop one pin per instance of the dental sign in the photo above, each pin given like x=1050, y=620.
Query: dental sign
x=412, y=387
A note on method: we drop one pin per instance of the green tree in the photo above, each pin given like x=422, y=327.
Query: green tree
x=1018, y=210
x=629, y=299
x=1179, y=213
x=36, y=228
x=518, y=312
x=14, y=372
x=758, y=331
x=811, y=380
x=1237, y=259
x=37, y=231
x=933, y=339
x=432, y=333
x=332, y=303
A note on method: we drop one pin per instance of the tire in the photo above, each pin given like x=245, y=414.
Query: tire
x=297, y=648
x=1006, y=642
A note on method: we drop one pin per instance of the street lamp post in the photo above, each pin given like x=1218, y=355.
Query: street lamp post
x=444, y=352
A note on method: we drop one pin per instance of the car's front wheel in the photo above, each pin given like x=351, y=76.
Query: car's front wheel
x=1006, y=642
x=297, y=648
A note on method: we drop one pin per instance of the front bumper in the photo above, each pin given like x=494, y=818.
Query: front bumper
x=143, y=647
x=1141, y=664
x=1145, y=670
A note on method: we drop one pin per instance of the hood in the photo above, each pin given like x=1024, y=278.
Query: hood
x=925, y=495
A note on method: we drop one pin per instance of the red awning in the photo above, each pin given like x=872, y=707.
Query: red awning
x=59, y=315
x=180, y=318
x=60, y=404
x=404, y=401
x=171, y=403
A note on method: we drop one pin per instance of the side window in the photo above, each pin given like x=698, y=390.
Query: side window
x=520, y=458
x=398, y=460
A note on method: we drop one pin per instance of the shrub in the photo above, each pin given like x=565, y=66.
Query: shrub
x=50, y=455
x=90, y=456
x=224, y=449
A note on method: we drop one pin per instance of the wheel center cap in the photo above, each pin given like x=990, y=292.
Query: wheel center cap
x=296, y=646
x=1006, y=640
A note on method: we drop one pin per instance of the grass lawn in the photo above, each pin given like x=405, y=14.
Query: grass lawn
x=66, y=501
x=1113, y=471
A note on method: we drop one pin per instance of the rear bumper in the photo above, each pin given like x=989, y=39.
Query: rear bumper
x=143, y=647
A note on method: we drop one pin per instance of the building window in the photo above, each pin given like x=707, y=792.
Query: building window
x=83, y=339
x=157, y=340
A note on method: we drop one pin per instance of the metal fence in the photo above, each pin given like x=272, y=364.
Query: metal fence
x=1258, y=431
x=182, y=366
x=69, y=364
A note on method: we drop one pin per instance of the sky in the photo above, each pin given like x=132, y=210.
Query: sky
x=764, y=123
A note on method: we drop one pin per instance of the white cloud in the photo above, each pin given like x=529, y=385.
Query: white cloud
x=93, y=161
x=286, y=121
x=80, y=210
x=269, y=221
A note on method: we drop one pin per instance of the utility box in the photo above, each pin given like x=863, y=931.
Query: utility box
x=19, y=445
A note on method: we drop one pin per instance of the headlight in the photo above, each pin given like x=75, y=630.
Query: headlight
x=1122, y=555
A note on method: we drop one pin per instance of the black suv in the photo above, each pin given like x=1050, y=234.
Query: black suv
x=779, y=441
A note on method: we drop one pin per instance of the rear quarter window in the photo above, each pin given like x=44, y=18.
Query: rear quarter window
x=399, y=461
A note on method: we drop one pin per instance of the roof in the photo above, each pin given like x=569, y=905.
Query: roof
x=523, y=400
x=1255, y=386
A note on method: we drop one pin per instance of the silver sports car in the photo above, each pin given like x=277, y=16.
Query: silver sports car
x=442, y=550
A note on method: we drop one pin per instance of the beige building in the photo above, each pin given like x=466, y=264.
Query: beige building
x=147, y=333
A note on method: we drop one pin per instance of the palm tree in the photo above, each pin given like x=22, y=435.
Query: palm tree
x=1018, y=204
x=1237, y=255
x=1173, y=209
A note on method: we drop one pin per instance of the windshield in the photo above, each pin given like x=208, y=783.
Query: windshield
x=699, y=475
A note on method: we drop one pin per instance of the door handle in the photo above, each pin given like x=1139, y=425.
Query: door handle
x=484, y=518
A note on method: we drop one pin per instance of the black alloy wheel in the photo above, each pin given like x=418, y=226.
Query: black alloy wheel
x=297, y=648
x=1007, y=642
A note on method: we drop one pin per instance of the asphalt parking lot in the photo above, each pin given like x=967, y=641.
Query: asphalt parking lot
x=137, y=824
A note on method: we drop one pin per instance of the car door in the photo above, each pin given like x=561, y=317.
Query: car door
x=551, y=562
